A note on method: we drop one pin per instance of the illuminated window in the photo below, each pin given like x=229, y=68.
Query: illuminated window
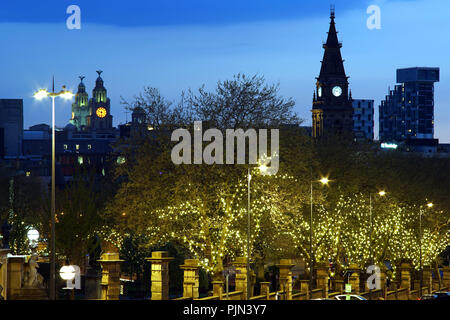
x=77, y=147
x=28, y=173
x=89, y=146
x=65, y=147
x=80, y=159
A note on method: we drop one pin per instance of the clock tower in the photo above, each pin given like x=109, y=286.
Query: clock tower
x=80, y=108
x=332, y=110
x=100, y=117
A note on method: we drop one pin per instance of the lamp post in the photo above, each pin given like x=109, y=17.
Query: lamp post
x=262, y=169
x=323, y=181
x=429, y=205
x=67, y=273
x=39, y=95
x=381, y=194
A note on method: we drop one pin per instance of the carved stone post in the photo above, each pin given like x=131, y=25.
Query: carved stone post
x=322, y=278
x=265, y=289
x=218, y=289
x=241, y=275
x=427, y=279
x=405, y=272
x=110, y=283
x=4, y=273
x=339, y=286
x=354, y=278
x=446, y=277
x=304, y=287
x=191, y=278
x=15, y=275
x=285, y=267
x=160, y=275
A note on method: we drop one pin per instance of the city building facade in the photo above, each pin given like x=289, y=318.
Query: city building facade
x=363, y=119
x=407, y=113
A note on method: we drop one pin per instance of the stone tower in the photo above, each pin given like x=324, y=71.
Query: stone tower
x=100, y=117
x=332, y=103
x=80, y=108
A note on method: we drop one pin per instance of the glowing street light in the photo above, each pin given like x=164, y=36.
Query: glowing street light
x=429, y=205
x=67, y=273
x=324, y=181
x=66, y=95
x=263, y=169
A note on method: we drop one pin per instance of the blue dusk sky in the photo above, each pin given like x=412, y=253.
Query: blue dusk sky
x=181, y=44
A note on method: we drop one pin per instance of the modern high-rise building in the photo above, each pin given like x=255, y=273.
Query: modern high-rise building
x=407, y=113
x=11, y=127
x=363, y=119
x=332, y=110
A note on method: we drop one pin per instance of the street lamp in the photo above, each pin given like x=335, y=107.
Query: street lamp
x=381, y=194
x=263, y=169
x=67, y=273
x=324, y=181
x=39, y=95
x=429, y=205
x=33, y=236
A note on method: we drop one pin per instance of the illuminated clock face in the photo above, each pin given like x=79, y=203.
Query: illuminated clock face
x=337, y=91
x=320, y=92
x=101, y=112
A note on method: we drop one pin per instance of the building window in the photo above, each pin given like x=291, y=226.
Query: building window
x=89, y=146
x=77, y=147
x=65, y=147
x=80, y=160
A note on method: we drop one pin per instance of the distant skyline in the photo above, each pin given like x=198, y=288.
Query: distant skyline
x=183, y=44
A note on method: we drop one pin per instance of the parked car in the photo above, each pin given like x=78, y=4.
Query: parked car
x=352, y=297
x=442, y=295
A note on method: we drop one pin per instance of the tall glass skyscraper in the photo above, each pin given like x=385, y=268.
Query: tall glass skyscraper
x=407, y=113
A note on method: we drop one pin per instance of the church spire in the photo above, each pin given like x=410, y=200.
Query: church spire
x=332, y=63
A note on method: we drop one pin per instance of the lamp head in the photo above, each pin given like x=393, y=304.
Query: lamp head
x=382, y=193
x=41, y=94
x=67, y=272
x=263, y=168
x=66, y=94
x=430, y=205
x=324, y=181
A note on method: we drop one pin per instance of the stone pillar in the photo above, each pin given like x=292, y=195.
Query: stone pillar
x=4, y=273
x=160, y=275
x=405, y=277
x=446, y=277
x=191, y=278
x=241, y=275
x=339, y=286
x=15, y=275
x=110, y=283
x=354, y=278
x=322, y=278
x=427, y=279
x=304, y=287
x=218, y=289
x=383, y=283
x=265, y=289
x=285, y=267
